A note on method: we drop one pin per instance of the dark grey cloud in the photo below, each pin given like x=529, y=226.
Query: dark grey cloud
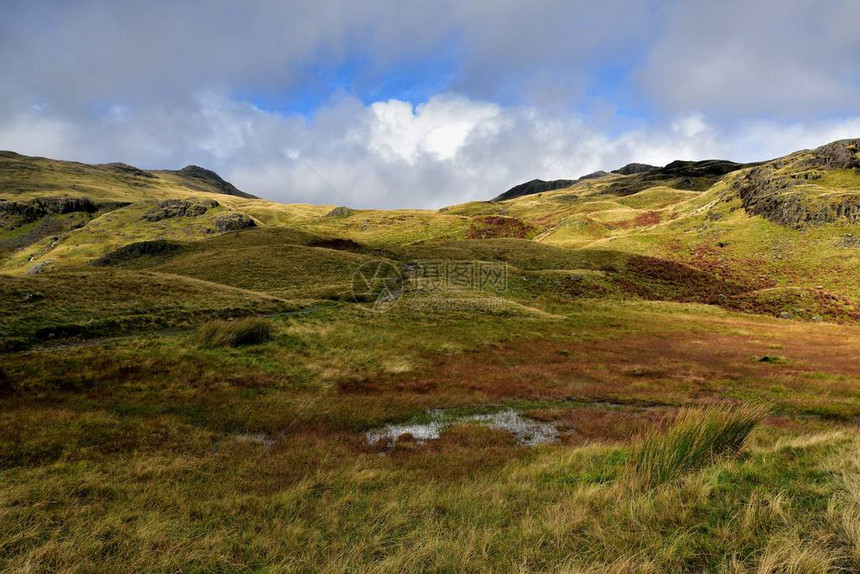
x=96, y=52
x=789, y=59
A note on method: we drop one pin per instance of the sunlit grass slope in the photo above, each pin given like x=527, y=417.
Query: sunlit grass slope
x=112, y=302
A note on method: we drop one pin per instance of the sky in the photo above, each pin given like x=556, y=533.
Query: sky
x=401, y=103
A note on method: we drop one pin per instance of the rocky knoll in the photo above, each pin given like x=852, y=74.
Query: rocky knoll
x=634, y=168
x=688, y=175
x=202, y=179
x=534, y=186
x=791, y=191
x=17, y=213
x=680, y=174
x=173, y=208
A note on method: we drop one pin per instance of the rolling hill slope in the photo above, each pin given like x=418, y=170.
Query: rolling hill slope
x=634, y=309
x=786, y=229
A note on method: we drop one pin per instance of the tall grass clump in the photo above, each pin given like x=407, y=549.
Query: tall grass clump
x=696, y=438
x=250, y=331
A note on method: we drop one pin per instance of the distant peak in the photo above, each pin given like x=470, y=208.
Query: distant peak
x=209, y=179
x=633, y=168
x=197, y=171
x=534, y=186
x=593, y=175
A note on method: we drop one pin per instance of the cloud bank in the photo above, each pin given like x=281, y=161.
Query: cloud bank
x=422, y=105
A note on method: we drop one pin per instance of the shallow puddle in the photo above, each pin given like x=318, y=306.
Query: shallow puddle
x=526, y=432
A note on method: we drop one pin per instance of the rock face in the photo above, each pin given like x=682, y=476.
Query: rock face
x=634, y=168
x=15, y=214
x=158, y=247
x=704, y=168
x=341, y=211
x=172, y=208
x=688, y=175
x=38, y=208
x=534, y=186
x=233, y=222
x=785, y=190
x=842, y=154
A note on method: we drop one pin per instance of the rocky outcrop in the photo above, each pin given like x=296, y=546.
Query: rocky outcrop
x=133, y=251
x=40, y=207
x=15, y=214
x=340, y=211
x=687, y=175
x=783, y=190
x=173, y=208
x=233, y=222
x=842, y=154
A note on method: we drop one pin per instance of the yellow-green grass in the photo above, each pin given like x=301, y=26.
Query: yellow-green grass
x=23, y=178
x=248, y=331
x=159, y=451
x=696, y=438
x=277, y=214
x=204, y=502
x=386, y=228
x=657, y=198
x=575, y=231
x=751, y=246
x=287, y=270
x=843, y=179
x=254, y=458
x=110, y=231
x=112, y=302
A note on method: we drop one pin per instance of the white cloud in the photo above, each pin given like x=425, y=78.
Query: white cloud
x=439, y=127
x=447, y=150
x=690, y=125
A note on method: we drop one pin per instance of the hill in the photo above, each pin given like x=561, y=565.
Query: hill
x=697, y=175
x=534, y=186
x=24, y=177
x=251, y=385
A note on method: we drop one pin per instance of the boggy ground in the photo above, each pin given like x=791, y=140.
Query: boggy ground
x=152, y=452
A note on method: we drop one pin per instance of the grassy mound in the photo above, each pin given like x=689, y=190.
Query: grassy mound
x=112, y=302
x=250, y=331
x=696, y=438
x=140, y=252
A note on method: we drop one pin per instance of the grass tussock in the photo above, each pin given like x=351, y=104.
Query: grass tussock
x=696, y=438
x=250, y=331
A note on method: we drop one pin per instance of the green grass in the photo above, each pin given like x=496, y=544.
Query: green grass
x=250, y=331
x=199, y=401
x=253, y=457
x=697, y=437
x=115, y=302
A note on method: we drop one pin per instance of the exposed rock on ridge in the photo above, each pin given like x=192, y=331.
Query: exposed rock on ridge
x=784, y=190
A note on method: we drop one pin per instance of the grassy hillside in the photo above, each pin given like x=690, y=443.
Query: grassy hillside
x=108, y=302
x=26, y=177
x=652, y=372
